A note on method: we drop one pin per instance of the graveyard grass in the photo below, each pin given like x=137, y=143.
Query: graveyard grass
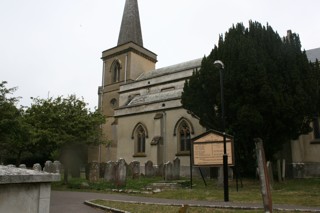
x=302, y=192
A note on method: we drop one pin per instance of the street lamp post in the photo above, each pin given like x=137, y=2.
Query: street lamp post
x=219, y=64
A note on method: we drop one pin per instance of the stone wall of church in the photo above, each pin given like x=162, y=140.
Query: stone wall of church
x=167, y=148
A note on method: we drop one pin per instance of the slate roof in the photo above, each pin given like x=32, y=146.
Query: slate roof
x=155, y=97
x=313, y=54
x=130, y=30
x=171, y=69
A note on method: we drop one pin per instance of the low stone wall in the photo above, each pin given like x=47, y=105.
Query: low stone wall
x=25, y=190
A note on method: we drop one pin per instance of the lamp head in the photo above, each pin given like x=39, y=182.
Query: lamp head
x=219, y=64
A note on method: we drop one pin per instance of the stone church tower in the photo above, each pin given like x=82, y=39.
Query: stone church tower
x=121, y=64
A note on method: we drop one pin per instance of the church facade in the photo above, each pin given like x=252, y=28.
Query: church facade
x=142, y=104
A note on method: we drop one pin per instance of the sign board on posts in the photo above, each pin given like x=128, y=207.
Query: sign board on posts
x=207, y=149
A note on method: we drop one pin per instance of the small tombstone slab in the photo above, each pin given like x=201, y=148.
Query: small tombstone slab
x=94, y=171
x=49, y=167
x=121, y=173
x=168, y=171
x=149, y=170
x=110, y=171
x=57, y=166
x=176, y=168
x=135, y=169
x=159, y=170
x=22, y=166
x=37, y=167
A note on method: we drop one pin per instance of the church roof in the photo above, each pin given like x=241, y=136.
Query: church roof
x=156, y=97
x=313, y=54
x=171, y=69
x=130, y=30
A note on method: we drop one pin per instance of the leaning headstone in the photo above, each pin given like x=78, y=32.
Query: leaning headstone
x=37, y=167
x=148, y=169
x=57, y=166
x=121, y=173
x=176, y=168
x=109, y=172
x=94, y=171
x=22, y=166
x=168, y=171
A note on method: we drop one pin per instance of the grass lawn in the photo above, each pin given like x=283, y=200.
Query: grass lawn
x=302, y=192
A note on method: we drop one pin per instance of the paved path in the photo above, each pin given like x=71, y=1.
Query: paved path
x=69, y=202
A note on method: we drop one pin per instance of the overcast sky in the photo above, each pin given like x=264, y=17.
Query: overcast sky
x=53, y=47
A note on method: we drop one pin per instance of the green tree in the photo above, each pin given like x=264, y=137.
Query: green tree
x=14, y=140
x=270, y=89
x=63, y=128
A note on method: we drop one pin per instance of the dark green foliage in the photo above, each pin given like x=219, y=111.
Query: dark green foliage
x=271, y=90
x=14, y=135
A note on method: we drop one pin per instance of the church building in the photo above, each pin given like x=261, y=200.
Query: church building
x=142, y=104
x=145, y=118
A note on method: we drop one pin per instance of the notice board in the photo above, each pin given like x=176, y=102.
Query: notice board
x=208, y=150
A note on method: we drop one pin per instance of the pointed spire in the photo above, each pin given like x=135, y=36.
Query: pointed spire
x=130, y=26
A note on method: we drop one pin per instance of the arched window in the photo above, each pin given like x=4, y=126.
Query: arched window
x=140, y=140
x=184, y=138
x=115, y=71
x=113, y=103
x=139, y=135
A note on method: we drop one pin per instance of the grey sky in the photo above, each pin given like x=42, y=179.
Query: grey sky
x=54, y=47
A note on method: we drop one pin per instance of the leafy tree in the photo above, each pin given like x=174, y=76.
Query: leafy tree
x=63, y=127
x=271, y=91
x=13, y=131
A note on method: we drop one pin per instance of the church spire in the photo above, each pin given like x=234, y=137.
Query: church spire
x=130, y=26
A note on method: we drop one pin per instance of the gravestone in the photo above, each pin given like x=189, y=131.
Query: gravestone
x=168, y=171
x=176, y=168
x=159, y=170
x=121, y=173
x=57, y=166
x=149, y=170
x=135, y=169
x=22, y=166
x=94, y=171
x=102, y=169
x=109, y=172
x=37, y=167
x=49, y=167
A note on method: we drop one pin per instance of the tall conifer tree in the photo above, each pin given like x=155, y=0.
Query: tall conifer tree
x=271, y=90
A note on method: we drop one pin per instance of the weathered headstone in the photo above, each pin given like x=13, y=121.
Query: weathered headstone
x=298, y=170
x=121, y=173
x=168, y=171
x=135, y=169
x=148, y=169
x=22, y=166
x=94, y=171
x=159, y=170
x=37, y=167
x=49, y=167
x=220, y=176
x=102, y=169
x=263, y=176
x=109, y=172
x=176, y=168
x=57, y=166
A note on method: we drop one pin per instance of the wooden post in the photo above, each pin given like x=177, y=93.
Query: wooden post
x=263, y=176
